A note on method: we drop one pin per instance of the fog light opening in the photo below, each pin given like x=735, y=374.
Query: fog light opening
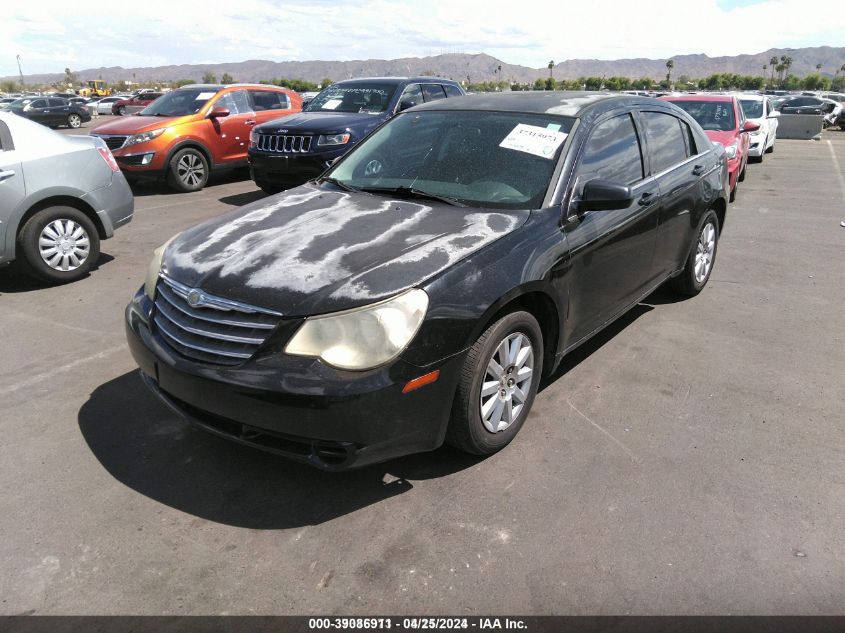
x=147, y=159
x=422, y=381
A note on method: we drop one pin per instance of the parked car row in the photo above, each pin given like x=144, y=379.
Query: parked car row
x=50, y=111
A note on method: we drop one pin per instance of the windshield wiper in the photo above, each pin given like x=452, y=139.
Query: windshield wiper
x=413, y=192
x=337, y=182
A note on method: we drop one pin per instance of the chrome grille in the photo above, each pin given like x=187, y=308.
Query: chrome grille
x=212, y=330
x=284, y=143
x=112, y=142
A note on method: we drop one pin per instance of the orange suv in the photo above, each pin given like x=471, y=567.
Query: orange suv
x=187, y=133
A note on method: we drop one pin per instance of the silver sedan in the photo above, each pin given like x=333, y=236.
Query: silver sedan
x=59, y=196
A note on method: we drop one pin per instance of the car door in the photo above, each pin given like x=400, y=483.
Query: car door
x=611, y=251
x=232, y=132
x=410, y=97
x=58, y=110
x=679, y=174
x=12, y=187
x=433, y=92
x=37, y=111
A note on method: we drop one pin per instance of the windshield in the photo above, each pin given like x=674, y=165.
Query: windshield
x=500, y=160
x=18, y=104
x=710, y=115
x=180, y=102
x=753, y=109
x=370, y=98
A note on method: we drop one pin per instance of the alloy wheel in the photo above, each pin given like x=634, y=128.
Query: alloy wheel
x=74, y=121
x=507, y=382
x=705, y=250
x=64, y=245
x=190, y=170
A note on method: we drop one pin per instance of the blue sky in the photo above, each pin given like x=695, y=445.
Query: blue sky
x=51, y=35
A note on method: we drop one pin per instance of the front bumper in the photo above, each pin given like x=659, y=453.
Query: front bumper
x=289, y=170
x=299, y=407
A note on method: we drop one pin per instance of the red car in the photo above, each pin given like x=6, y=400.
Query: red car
x=723, y=121
x=135, y=103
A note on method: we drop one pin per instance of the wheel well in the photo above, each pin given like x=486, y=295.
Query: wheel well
x=64, y=201
x=542, y=308
x=719, y=208
x=192, y=145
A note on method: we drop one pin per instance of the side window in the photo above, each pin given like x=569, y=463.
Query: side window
x=452, y=91
x=433, y=92
x=687, y=132
x=6, y=144
x=665, y=141
x=236, y=102
x=612, y=153
x=412, y=93
x=56, y=103
x=269, y=100
x=39, y=103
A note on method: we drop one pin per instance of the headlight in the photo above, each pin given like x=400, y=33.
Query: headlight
x=154, y=270
x=144, y=136
x=333, y=139
x=253, y=138
x=362, y=338
x=731, y=150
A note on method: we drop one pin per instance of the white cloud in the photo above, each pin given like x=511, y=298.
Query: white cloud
x=50, y=35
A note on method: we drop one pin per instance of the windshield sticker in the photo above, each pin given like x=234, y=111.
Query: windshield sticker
x=332, y=104
x=532, y=139
x=554, y=127
x=205, y=96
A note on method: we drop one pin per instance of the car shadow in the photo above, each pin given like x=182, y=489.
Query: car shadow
x=141, y=189
x=240, y=199
x=13, y=280
x=142, y=444
x=579, y=354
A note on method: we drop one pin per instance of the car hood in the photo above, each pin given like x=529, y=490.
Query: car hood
x=134, y=124
x=312, y=251
x=322, y=121
x=725, y=138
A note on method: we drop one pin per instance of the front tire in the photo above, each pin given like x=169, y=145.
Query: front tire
x=268, y=188
x=498, y=384
x=187, y=170
x=121, y=111
x=59, y=245
x=702, y=257
x=74, y=121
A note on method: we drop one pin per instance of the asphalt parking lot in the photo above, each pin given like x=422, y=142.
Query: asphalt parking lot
x=688, y=460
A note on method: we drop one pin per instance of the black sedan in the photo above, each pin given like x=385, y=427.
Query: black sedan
x=51, y=111
x=420, y=289
x=806, y=105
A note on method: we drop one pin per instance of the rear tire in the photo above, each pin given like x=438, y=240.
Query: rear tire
x=701, y=259
x=770, y=150
x=58, y=245
x=74, y=121
x=121, y=111
x=497, y=386
x=187, y=170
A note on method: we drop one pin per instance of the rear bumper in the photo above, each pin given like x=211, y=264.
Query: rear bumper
x=114, y=204
x=299, y=407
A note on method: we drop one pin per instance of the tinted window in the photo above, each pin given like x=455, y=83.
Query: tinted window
x=710, y=115
x=236, y=102
x=687, y=132
x=57, y=103
x=39, y=103
x=412, y=94
x=269, y=100
x=665, y=140
x=433, y=92
x=452, y=91
x=612, y=153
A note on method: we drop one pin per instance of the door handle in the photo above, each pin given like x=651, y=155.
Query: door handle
x=249, y=122
x=698, y=170
x=646, y=198
x=6, y=174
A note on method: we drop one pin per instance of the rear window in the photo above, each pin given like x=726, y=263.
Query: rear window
x=711, y=115
x=452, y=91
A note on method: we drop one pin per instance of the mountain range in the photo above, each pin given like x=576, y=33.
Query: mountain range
x=471, y=67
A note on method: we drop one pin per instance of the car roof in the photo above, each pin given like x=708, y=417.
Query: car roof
x=397, y=80
x=217, y=87
x=574, y=103
x=699, y=97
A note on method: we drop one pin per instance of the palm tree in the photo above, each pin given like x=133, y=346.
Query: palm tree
x=772, y=63
x=669, y=66
x=551, y=69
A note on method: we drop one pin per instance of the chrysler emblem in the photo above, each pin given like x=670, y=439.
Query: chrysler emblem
x=195, y=298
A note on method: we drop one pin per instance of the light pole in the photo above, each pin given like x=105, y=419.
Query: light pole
x=20, y=72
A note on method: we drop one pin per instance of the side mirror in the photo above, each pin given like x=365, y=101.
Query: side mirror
x=604, y=195
x=750, y=126
x=305, y=103
x=218, y=112
x=407, y=103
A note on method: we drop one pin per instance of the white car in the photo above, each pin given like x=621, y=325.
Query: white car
x=759, y=109
x=104, y=105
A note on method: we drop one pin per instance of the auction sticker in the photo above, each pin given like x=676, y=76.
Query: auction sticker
x=535, y=140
